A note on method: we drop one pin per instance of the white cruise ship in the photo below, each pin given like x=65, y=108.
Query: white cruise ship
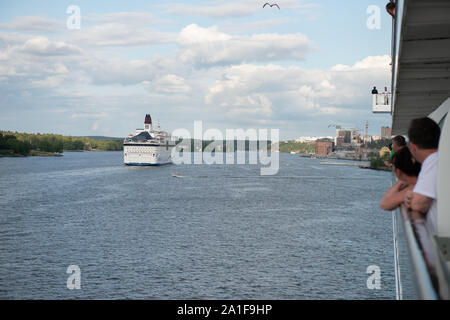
x=148, y=147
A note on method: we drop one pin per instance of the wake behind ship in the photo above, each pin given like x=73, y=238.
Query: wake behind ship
x=148, y=147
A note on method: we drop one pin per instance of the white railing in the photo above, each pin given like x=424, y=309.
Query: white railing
x=381, y=103
x=398, y=278
x=418, y=256
x=427, y=262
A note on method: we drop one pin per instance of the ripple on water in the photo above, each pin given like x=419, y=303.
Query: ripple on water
x=221, y=232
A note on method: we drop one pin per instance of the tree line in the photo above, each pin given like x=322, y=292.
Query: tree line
x=23, y=143
x=298, y=147
x=224, y=145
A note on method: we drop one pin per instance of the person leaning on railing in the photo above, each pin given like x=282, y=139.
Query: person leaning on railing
x=424, y=136
x=406, y=169
x=398, y=142
x=386, y=94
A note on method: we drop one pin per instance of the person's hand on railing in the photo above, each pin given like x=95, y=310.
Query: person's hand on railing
x=413, y=215
x=407, y=199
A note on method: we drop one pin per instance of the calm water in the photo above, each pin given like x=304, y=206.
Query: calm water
x=221, y=232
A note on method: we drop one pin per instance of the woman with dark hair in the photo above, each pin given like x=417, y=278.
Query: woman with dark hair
x=406, y=169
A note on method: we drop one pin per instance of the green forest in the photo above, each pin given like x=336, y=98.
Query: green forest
x=298, y=147
x=25, y=144
x=284, y=146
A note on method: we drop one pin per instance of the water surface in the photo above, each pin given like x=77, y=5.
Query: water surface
x=220, y=232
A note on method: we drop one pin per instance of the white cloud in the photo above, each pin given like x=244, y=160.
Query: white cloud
x=50, y=81
x=34, y=24
x=372, y=62
x=109, y=29
x=133, y=18
x=45, y=47
x=87, y=115
x=207, y=46
x=213, y=73
x=19, y=64
x=127, y=72
x=170, y=83
x=8, y=39
x=293, y=91
x=38, y=62
x=255, y=105
x=193, y=35
x=119, y=34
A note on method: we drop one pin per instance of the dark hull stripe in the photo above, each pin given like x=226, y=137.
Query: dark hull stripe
x=147, y=164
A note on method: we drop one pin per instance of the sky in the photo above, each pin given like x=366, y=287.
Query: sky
x=302, y=69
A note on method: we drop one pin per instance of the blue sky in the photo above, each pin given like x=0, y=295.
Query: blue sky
x=231, y=64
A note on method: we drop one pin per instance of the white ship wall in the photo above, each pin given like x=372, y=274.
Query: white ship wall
x=147, y=155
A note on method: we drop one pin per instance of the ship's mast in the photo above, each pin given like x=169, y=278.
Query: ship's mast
x=366, y=138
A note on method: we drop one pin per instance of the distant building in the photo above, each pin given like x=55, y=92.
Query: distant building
x=386, y=132
x=376, y=138
x=324, y=147
x=345, y=137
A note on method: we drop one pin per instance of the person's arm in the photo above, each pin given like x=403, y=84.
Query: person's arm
x=417, y=202
x=394, y=196
x=420, y=203
x=425, y=191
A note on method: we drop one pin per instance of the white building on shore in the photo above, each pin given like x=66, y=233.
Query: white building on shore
x=311, y=139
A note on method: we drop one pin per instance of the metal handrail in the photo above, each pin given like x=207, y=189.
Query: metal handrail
x=442, y=271
x=422, y=279
x=398, y=282
x=424, y=285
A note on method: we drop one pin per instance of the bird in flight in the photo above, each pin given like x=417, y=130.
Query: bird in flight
x=271, y=5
